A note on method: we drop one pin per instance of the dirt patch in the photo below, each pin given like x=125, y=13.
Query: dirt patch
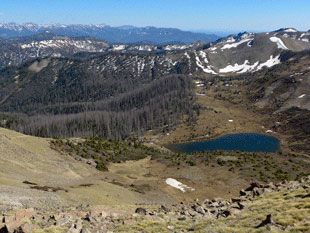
x=37, y=66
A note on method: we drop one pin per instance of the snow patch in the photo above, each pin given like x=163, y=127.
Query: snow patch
x=235, y=45
x=302, y=96
x=178, y=185
x=176, y=47
x=118, y=47
x=271, y=62
x=279, y=42
x=230, y=40
x=187, y=55
x=245, y=67
x=204, y=69
x=249, y=43
x=290, y=30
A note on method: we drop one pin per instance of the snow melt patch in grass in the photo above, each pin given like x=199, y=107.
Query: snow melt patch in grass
x=279, y=42
x=178, y=185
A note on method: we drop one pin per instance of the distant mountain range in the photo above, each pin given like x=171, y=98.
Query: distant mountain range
x=238, y=53
x=122, y=34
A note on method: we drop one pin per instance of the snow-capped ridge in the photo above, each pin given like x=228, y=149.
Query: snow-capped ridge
x=286, y=30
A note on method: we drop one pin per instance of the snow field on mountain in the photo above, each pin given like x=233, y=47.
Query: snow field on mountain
x=279, y=42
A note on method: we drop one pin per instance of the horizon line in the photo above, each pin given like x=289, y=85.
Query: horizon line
x=183, y=29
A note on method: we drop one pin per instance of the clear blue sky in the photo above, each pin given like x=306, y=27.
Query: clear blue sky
x=238, y=15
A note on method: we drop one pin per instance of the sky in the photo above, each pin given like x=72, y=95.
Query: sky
x=201, y=15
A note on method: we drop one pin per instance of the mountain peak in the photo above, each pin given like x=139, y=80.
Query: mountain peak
x=287, y=30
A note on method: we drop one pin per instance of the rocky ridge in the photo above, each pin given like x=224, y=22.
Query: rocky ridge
x=171, y=218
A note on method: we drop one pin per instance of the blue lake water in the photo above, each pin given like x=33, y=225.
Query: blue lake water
x=250, y=142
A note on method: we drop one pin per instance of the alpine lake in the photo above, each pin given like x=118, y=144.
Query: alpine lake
x=249, y=142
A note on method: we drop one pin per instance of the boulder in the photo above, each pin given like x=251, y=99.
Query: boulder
x=267, y=190
x=4, y=229
x=265, y=222
x=85, y=231
x=26, y=228
x=257, y=192
x=206, y=201
x=164, y=208
x=14, y=221
x=235, y=211
x=141, y=211
x=201, y=210
x=192, y=213
x=223, y=213
x=183, y=218
x=254, y=185
x=270, y=186
x=242, y=193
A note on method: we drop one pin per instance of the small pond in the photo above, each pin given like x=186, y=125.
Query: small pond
x=250, y=142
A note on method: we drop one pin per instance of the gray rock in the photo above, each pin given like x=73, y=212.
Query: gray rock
x=201, y=210
x=242, y=193
x=164, y=208
x=265, y=222
x=257, y=192
x=254, y=185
